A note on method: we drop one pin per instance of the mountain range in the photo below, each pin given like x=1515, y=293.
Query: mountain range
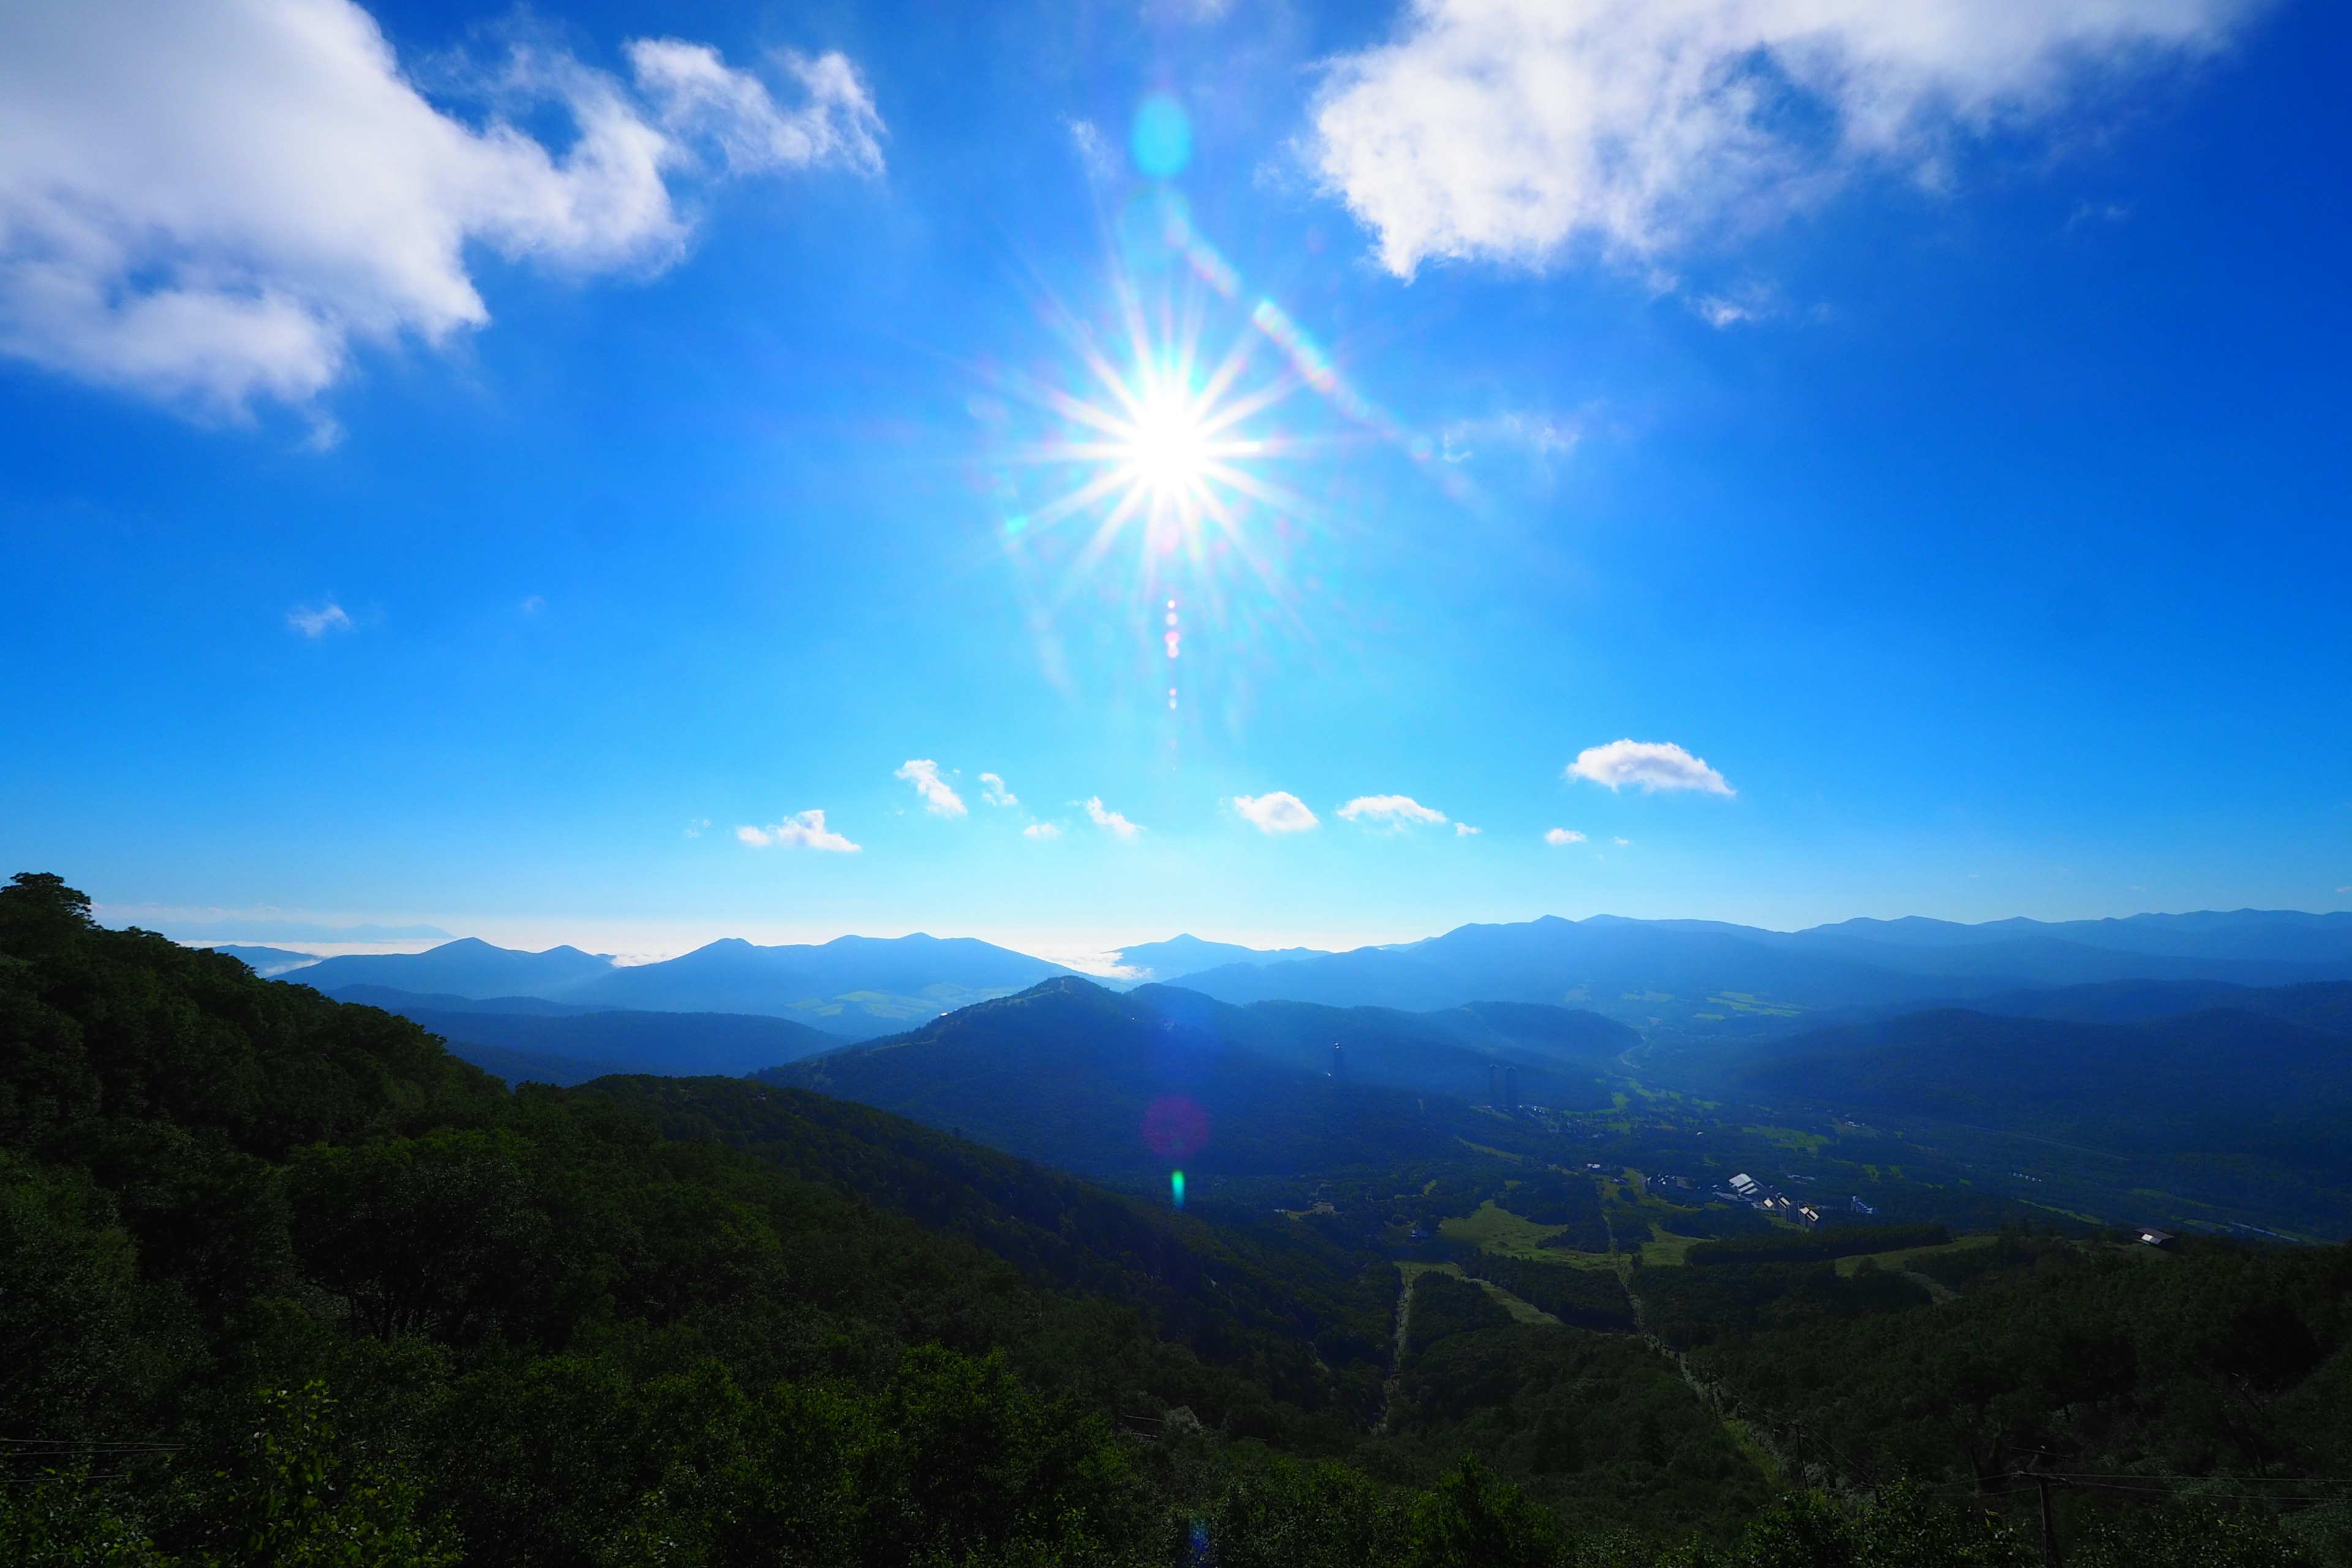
x=854, y=987
x=1689, y=979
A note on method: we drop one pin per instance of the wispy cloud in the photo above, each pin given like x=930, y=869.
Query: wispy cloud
x=1096, y=155
x=1651, y=765
x=1052, y=830
x=992, y=790
x=1561, y=835
x=1464, y=830
x=209, y=205
x=1542, y=437
x=1279, y=811
x=1509, y=130
x=1109, y=821
x=695, y=825
x=804, y=831
x=938, y=798
x=317, y=623
x=1393, y=812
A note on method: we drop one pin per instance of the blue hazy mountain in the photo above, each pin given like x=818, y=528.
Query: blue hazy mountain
x=2245, y=1105
x=855, y=987
x=1128, y=1084
x=394, y=1000
x=1186, y=955
x=2275, y=936
x=1712, y=977
x=679, y=1045
x=1695, y=978
x=467, y=967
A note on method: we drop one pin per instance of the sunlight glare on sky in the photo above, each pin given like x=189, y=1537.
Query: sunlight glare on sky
x=632, y=474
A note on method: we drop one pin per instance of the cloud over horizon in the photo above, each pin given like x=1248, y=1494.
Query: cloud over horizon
x=1276, y=812
x=804, y=831
x=208, y=205
x=1510, y=129
x=938, y=797
x=1109, y=821
x=1652, y=765
x=1393, y=812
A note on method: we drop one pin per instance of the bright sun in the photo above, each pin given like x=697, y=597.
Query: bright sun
x=1169, y=450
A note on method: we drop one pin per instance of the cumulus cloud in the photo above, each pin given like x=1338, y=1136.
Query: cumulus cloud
x=1279, y=811
x=938, y=798
x=1510, y=129
x=1052, y=830
x=210, y=205
x=804, y=831
x=316, y=623
x=1109, y=821
x=1560, y=835
x=1651, y=764
x=1464, y=830
x=1393, y=812
x=992, y=790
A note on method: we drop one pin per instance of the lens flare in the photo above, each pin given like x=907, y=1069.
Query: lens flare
x=1179, y=447
x=1176, y=1187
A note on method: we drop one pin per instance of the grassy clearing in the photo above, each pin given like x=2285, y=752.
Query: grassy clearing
x=1665, y=1249
x=1500, y=1230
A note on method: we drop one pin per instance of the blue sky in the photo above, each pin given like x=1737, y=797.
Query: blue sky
x=1934, y=436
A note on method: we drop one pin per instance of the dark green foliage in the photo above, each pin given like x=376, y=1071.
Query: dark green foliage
x=1691, y=1307
x=1717, y=1220
x=1444, y=1306
x=1584, y=1298
x=283, y=1282
x=1566, y=1198
x=1798, y=1247
x=1599, y=1426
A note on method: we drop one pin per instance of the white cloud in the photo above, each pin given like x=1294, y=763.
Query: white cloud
x=1109, y=821
x=1652, y=764
x=992, y=790
x=209, y=205
x=1622, y=843
x=1464, y=830
x=1051, y=830
x=1393, y=812
x=1542, y=437
x=805, y=831
x=316, y=623
x=1510, y=129
x=1559, y=836
x=1096, y=155
x=1279, y=811
x=939, y=799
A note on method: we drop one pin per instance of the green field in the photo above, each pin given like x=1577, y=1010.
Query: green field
x=1500, y=1230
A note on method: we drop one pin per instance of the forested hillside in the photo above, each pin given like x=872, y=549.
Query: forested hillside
x=282, y=1281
